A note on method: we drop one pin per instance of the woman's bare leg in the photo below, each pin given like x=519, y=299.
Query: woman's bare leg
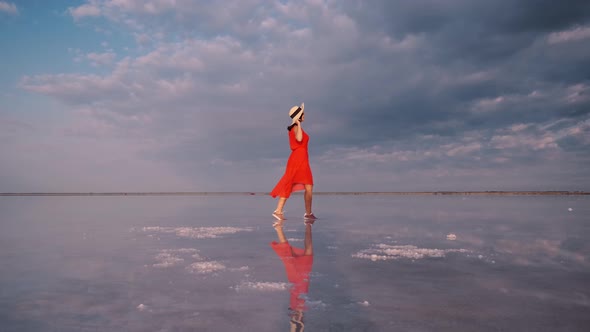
x=281, y=235
x=280, y=205
x=308, y=242
x=308, y=197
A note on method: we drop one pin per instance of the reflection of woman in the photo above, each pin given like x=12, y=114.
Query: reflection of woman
x=297, y=173
x=298, y=263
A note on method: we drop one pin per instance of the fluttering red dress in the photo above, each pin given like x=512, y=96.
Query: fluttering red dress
x=297, y=172
x=298, y=267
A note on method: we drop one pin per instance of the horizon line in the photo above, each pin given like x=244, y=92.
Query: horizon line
x=255, y=193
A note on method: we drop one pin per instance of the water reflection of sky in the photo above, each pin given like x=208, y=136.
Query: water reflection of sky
x=381, y=263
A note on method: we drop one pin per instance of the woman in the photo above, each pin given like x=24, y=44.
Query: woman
x=298, y=173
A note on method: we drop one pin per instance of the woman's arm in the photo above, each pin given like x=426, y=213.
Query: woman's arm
x=298, y=132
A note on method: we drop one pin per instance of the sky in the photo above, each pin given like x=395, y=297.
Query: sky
x=179, y=95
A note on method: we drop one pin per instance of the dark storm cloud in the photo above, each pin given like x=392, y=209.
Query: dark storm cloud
x=465, y=17
x=505, y=40
x=492, y=31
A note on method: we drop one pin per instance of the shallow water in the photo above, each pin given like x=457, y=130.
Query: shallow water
x=381, y=263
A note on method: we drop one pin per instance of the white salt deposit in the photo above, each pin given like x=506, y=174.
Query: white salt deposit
x=171, y=257
x=205, y=267
x=451, y=237
x=241, y=268
x=166, y=260
x=294, y=240
x=190, y=259
x=388, y=252
x=197, y=232
x=364, y=303
x=263, y=286
x=141, y=307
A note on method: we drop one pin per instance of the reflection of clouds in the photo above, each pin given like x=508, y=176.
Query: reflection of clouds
x=539, y=251
x=472, y=240
x=75, y=306
x=313, y=304
x=197, y=232
x=388, y=252
x=535, y=251
x=549, y=290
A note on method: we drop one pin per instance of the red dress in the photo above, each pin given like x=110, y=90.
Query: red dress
x=298, y=171
x=298, y=267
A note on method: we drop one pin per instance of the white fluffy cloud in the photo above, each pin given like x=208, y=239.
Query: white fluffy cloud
x=577, y=33
x=86, y=10
x=99, y=59
x=8, y=7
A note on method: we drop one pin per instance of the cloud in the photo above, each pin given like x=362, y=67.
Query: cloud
x=143, y=39
x=423, y=88
x=8, y=8
x=508, y=142
x=577, y=33
x=100, y=59
x=86, y=10
x=154, y=7
x=459, y=149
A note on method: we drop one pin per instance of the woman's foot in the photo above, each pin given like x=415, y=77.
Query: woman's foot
x=309, y=216
x=278, y=224
x=278, y=215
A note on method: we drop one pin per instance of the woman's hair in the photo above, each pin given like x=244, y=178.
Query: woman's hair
x=291, y=127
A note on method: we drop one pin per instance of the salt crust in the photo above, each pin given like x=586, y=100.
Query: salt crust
x=294, y=240
x=241, y=268
x=197, y=232
x=171, y=257
x=167, y=260
x=388, y=252
x=263, y=286
x=205, y=267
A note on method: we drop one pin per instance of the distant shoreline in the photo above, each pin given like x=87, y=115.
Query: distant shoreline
x=334, y=193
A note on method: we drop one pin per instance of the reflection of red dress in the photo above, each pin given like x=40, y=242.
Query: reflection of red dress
x=298, y=171
x=298, y=267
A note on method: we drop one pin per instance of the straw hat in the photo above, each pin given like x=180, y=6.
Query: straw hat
x=295, y=112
